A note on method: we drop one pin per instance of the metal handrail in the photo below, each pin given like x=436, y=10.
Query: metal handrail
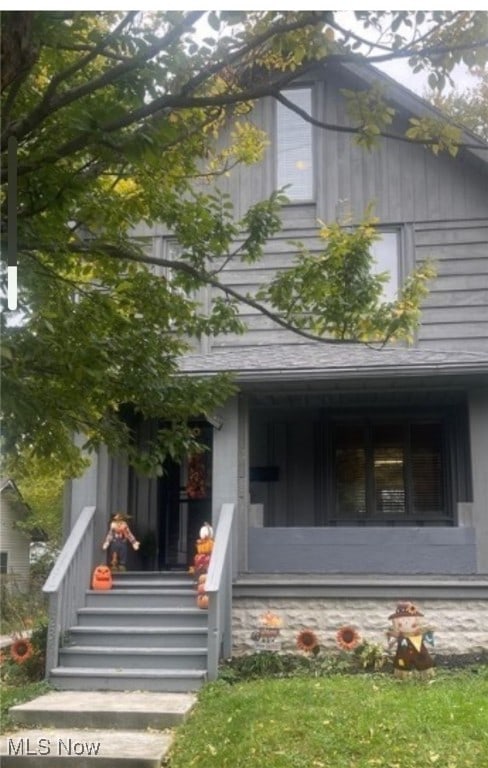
x=218, y=586
x=67, y=583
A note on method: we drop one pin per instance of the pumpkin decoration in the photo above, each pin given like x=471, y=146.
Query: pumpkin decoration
x=202, y=601
x=201, y=588
x=206, y=531
x=201, y=562
x=102, y=577
x=205, y=546
x=202, y=578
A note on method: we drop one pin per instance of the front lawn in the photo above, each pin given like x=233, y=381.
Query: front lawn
x=343, y=721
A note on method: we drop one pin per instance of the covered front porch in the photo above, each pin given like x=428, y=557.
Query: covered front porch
x=366, y=476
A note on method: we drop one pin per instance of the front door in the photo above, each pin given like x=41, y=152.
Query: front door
x=184, y=504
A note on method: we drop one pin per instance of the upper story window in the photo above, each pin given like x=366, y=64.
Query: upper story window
x=386, y=259
x=294, y=162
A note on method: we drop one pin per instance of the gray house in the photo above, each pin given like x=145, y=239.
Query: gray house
x=340, y=478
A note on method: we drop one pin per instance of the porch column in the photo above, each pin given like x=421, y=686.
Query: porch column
x=478, y=417
x=229, y=474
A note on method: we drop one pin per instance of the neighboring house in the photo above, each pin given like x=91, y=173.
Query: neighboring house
x=358, y=476
x=14, y=542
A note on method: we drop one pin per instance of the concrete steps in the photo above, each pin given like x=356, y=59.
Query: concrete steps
x=111, y=729
x=146, y=633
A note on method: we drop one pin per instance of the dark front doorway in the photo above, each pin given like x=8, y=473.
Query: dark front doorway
x=184, y=504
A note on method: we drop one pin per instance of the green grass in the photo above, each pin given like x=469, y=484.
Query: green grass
x=360, y=721
x=13, y=694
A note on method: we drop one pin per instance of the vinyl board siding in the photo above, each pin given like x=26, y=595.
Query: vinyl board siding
x=457, y=306
x=15, y=542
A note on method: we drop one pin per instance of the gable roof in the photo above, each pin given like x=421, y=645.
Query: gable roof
x=415, y=104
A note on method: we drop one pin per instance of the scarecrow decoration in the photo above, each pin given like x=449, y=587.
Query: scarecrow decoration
x=411, y=636
x=116, y=540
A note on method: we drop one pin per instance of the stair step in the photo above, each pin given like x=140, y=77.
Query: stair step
x=133, y=749
x=147, y=576
x=120, y=679
x=135, y=658
x=142, y=637
x=142, y=617
x=136, y=597
x=102, y=709
x=135, y=583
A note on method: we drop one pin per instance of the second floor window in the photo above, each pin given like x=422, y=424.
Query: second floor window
x=386, y=259
x=294, y=162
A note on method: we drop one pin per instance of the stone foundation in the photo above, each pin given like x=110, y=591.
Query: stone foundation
x=460, y=626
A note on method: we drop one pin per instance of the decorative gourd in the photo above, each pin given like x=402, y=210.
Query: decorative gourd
x=201, y=588
x=202, y=578
x=202, y=601
x=102, y=577
x=204, y=546
x=206, y=531
x=201, y=562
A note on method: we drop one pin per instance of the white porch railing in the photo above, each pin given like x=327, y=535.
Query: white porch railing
x=219, y=589
x=67, y=583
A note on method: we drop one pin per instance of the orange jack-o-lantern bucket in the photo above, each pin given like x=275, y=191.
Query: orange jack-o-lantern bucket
x=102, y=577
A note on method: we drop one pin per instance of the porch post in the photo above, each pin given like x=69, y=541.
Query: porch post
x=478, y=418
x=229, y=478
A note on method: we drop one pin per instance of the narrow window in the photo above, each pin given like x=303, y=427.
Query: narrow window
x=294, y=160
x=386, y=258
x=3, y=562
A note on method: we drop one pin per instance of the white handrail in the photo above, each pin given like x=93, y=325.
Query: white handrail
x=218, y=586
x=67, y=583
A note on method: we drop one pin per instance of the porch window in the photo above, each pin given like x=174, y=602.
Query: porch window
x=294, y=162
x=389, y=473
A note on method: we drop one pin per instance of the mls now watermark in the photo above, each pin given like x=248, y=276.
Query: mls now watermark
x=44, y=747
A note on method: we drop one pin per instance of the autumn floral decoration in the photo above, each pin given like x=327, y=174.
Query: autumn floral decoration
x=348, y=638
x=196, y=487
x=308, y=642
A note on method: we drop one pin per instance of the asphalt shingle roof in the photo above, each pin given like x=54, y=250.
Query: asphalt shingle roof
x=292, y=360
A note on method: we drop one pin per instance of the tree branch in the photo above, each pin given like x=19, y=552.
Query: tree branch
x=115, y=252
x=47, y=108
x=349, y=129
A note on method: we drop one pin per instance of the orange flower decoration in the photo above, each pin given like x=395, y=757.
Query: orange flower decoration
x=307, y=641
x=21, y=650
x=348, y=638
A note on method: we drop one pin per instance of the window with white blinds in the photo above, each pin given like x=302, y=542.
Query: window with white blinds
x=294, y=160
x=389, y=473
x=386, y=259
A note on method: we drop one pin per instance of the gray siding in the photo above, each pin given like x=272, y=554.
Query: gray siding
x=362, y=550
x=456, y=310
x=440, y=202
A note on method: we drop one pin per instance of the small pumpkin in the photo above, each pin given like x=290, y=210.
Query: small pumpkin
x=204, y=546
x=202, y=578
x=102, y=577
x=206, y=531
x=202, y=601
x=201, y=588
